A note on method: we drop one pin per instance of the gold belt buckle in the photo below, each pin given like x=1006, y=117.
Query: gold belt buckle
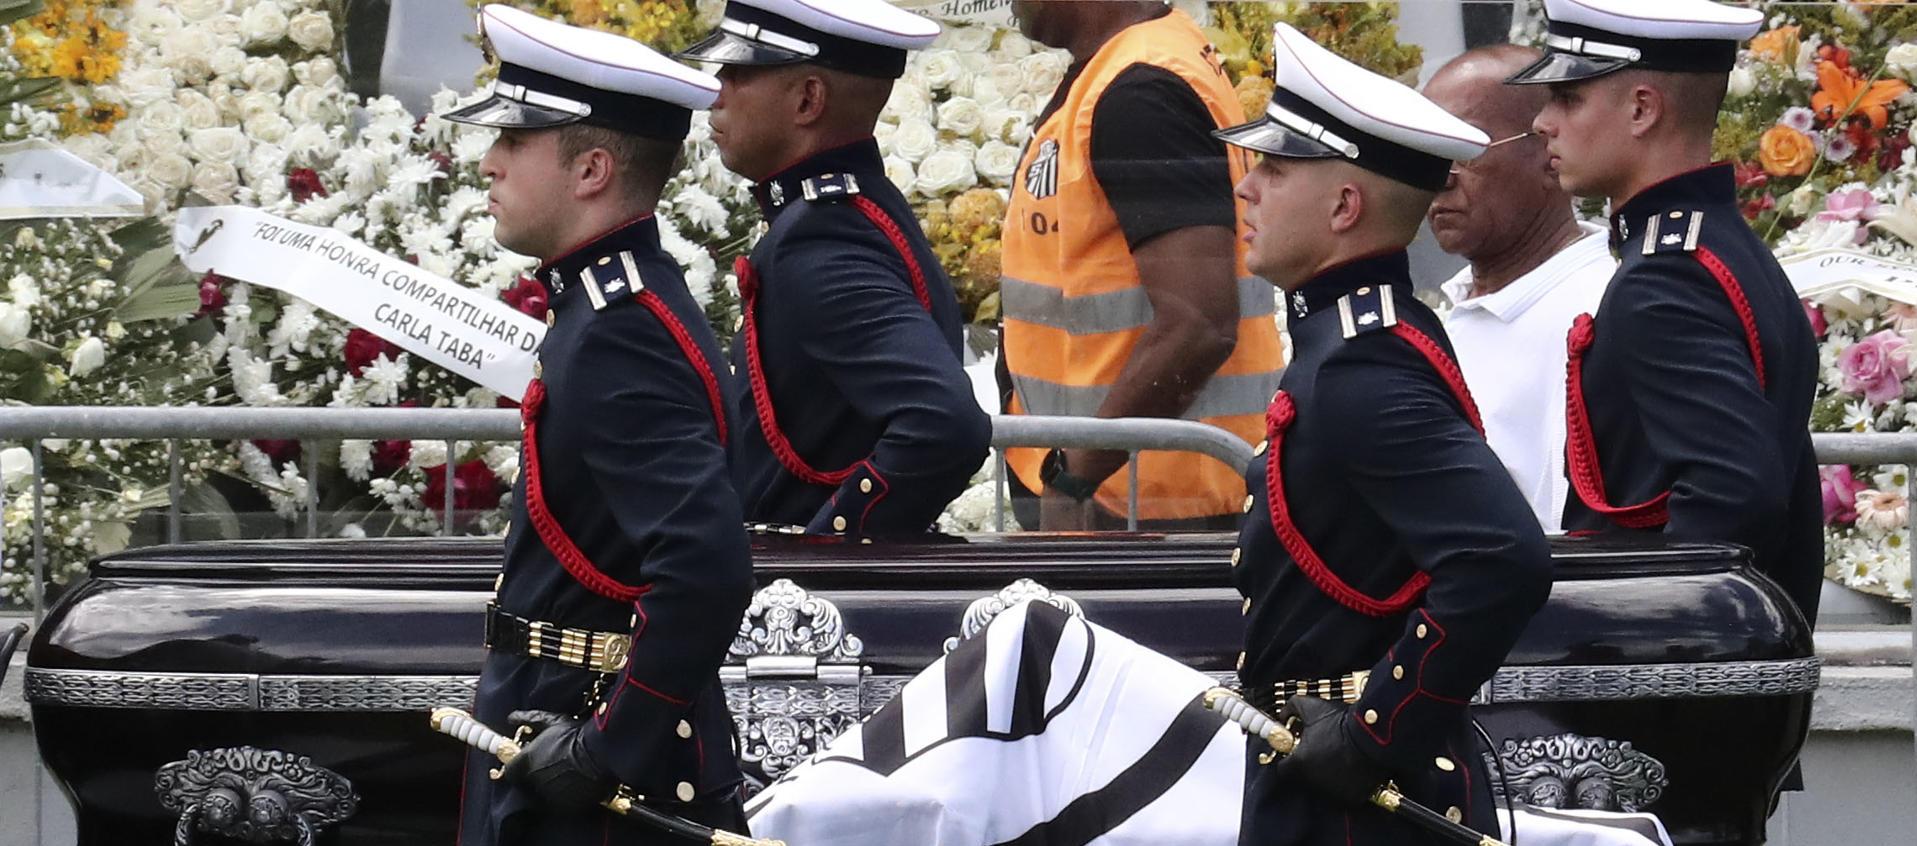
x=610, y=652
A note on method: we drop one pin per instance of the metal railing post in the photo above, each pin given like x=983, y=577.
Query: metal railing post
x=39, y=535
x=312, y=489
x=999, y=493
x=446, y=528
x=1131, y=507
x=174, y=490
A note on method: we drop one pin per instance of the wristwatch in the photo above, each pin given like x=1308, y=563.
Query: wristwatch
x=1053, y=475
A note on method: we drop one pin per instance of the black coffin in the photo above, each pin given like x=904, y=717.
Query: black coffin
x=1671, y=679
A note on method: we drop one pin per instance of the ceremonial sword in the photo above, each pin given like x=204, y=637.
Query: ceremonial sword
x=1260, y=725
x=624, y=802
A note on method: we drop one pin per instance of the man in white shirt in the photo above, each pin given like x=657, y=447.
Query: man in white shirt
x=1534, y=269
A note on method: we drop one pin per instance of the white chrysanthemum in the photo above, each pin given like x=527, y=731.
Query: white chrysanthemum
x=427, y=453
x=384, y=378
x=356, y=458
x=294, y=328
x=413, y=170
x=470, y=147
x=702, y=210
x=693, y=258
x=252, y=377
x=503, y=460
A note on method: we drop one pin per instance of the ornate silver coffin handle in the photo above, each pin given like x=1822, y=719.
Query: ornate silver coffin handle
x=253, y=795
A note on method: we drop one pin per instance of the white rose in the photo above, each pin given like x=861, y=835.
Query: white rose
x=171, y=171
x=987, y=92
x=1014, y=46
x=316, y=71
x=914, y=140
x=161, y=118
x=943, y=171
x=16, y=466
x=1024, y=102
x=228, y=61
x=1742, y=83
x=900, y=172
x=966, y=39
x=263, y=24
x=267, y=128
x=216, y=181
x=150, y=25
x=219, y=144
x=197, y=10
x=304, y=104
x=941, y=68
x=268, y=75
x=197, y=111
x=1902, y=60
x=256, y=103
x=1042, y=73
x=224, y=27
x=960, y=116
x=88, y=356
x=882, y=133
x=907, y=104
x=145, y=85
x=311, y=30
x=189, y=53
x=16, y=324
x=1005, y=125
x=996, y=161
x=165, y=142
x=307, y=138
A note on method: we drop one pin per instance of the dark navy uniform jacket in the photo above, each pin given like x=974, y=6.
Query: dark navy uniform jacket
x=1410, y=553
x=1679, y=414
x=859, y=418
x=624, y=519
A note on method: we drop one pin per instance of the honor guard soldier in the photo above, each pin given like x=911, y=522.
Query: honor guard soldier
x=1688, y=395
x=1387, y=559
x=860, y=419
x=627, y=565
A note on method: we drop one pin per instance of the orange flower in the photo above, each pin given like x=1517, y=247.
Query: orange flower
x=1784, y=151
x=1776, y=45
x=1841, y=94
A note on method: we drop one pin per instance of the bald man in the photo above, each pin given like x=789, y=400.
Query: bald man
x=1534, y=268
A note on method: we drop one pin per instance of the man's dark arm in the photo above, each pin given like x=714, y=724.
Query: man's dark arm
x=1170, y=187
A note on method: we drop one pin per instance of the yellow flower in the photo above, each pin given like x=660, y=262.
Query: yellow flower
x=1784, y=151
x=975, y=210
x=1778, y=45
x=1254, y=93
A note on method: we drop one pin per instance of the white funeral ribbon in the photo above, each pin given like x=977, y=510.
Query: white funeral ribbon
x=466, y=331
x=989, y=12
x=40, y=179
x=1835, y=272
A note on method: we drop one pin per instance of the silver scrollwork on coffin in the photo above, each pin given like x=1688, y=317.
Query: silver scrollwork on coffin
x=982, y=611
x=253, y=795
x=792, y=679
x=1587, y=773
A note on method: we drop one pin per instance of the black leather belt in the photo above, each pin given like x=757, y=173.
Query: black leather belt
x=1269, y=697
x=511, y=634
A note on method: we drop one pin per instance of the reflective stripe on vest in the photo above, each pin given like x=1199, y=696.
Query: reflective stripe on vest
x=1073, y=304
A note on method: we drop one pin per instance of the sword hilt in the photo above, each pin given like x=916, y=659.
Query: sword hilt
x=624, y=802
x=1283, y=740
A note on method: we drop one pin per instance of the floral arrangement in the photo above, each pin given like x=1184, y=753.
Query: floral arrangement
x=1819, y=120
x=74, y=43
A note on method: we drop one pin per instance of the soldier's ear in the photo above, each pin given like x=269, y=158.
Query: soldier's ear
x=594, y=172
x=812, y=92
x=1647, y=108
x=1347, y=208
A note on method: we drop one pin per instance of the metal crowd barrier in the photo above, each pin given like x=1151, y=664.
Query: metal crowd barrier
x=35, y=424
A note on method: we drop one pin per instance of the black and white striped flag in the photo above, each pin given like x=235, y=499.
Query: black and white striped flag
x=1046, y=730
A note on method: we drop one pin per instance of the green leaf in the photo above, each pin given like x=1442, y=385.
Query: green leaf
x=13, y=10
x=25, y=89
x=158, y=285
x=206, y=504
x=158, y=303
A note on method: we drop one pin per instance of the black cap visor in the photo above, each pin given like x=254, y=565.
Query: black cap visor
x=725, y=48
x=1275, y=139
x=1565, y=67
x=505, y=113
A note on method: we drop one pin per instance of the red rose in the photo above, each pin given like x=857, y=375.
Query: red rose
x=212, y=294
x=474, y=487
x=1891, y=156
x=304, y=183
x=1750, y=175
x=1858, y=129
x=363, y=348
x=528, y=296
x=443, y=159
x=280, y=452
x=389, y=456
x=1759, y=206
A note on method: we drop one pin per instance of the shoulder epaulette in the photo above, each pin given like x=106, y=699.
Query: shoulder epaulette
x=1367, y=309
x=829, y=186
x=1672, y=232
x=611, y=279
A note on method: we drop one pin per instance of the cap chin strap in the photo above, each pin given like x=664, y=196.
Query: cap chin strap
x=755, y=32
x=1312, y=129
x=1585, y=47
x=542, y=99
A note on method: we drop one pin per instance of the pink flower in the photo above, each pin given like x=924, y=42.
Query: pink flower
x=1855, y=204
x=1877, y=366
x=1886, y=510
x=1840, y=493
x=1819, y=325
x=1902, y=316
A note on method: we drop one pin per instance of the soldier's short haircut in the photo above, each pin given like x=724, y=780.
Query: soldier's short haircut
x=1694, y=99
x=643, y=164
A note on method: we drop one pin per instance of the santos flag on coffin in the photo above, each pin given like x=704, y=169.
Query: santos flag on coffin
x=466, y=331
